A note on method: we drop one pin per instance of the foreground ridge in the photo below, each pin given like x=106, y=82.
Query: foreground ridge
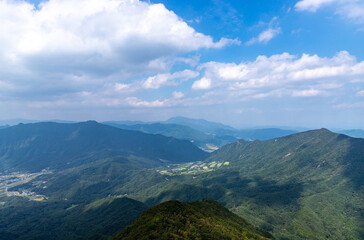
x=204, y=219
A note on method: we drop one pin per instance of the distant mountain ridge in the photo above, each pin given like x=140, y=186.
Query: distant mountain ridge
x=203, y=140
x=200, y=124
x=56, y=145
x=221, y=130
x=207, y=135
x=358, y=133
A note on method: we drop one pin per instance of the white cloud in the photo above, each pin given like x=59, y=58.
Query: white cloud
x=97, y=26
x=306, y=93
x=68, y=46
x=226, y=41
x=136, y=102
x=265, y=36
x=121, y=86
x=360, y=93
x=167, y=79
x=285, y=67
x=349, y=105
x=350, y=9
x=311, y=5
x=203, y=83
x=283, y=75
x=268, y=34
x=177, y=95
x=267, y=77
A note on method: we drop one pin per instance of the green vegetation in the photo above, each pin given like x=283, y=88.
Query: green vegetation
x=303, y=186
x=206, y=219
x=34, y=147
x=63, y=220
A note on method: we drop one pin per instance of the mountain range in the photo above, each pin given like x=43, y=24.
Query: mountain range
x=358, y=133
x=33, y=147
x=207, y=135
x=306, y=185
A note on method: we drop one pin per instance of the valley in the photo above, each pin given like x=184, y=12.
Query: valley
x=9, y=181
x=305, y=185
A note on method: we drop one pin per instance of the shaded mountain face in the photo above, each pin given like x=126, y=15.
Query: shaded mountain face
x=205, y=219
x=304, y=186
x=33, y=147
x=100, y=219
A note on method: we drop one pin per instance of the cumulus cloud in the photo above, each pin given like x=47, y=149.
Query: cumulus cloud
x=203, y=83
x=167, y=79
x=65, y=46
x=350, y=9
x=283, y=75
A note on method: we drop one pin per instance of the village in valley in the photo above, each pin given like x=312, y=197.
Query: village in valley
x=12, y=180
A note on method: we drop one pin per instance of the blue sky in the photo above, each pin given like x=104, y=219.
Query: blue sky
x=244, y=63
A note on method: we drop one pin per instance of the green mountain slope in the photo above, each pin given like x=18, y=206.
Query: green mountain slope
x=264, y=133
x=116, y=175
x=62, y=220
x=190, y=220
x=33, y=147
x=304, y=186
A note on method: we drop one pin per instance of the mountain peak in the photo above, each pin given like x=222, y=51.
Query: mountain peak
x=91, y=122
x=324, y=130
x=205, y=219
x=317, y=133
